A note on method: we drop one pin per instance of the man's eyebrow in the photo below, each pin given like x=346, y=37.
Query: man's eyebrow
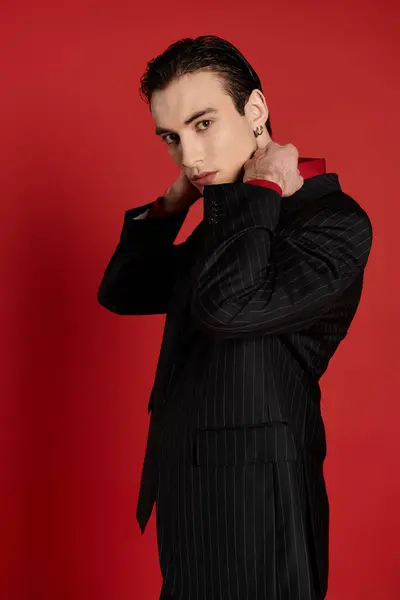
x=196, y=115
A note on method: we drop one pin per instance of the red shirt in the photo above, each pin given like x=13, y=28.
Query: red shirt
x=308, y=167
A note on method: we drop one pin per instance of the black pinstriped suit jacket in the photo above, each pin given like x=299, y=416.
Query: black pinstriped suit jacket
x=258, y=298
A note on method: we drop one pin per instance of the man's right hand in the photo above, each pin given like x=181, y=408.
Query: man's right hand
x=181, y=195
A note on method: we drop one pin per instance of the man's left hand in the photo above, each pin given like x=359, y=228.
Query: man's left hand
x=278, y=164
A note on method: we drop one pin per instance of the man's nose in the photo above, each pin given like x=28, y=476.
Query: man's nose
x=192, y=155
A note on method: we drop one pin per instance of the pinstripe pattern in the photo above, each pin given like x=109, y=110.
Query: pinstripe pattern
x=257, y=299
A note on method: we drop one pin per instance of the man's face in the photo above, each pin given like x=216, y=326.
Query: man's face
x=219, y=141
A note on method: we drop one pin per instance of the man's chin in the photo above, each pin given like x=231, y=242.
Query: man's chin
x=238, y=178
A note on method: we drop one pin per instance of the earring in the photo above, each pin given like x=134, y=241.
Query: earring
x=258, y=131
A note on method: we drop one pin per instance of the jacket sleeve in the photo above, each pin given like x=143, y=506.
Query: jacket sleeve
x=241, y=288
x=142, y=271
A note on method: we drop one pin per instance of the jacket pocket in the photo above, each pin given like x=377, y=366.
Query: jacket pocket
x=241, y=445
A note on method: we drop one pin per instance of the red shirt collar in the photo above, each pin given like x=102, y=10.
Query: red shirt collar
x=309, y=167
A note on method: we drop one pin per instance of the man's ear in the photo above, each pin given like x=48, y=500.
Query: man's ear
x=256, y=111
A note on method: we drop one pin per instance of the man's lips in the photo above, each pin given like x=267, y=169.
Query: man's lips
x=204, y=179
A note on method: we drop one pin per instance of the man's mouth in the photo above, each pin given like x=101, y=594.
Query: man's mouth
x=204, y=178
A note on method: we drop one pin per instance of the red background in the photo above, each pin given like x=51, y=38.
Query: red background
x=77, y=150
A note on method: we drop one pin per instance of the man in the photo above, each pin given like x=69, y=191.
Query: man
x=257, y=299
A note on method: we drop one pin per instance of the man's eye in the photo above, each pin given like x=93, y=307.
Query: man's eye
x=207, y=123
x=170, y=138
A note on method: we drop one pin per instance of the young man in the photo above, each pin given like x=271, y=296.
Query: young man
x=257, y=299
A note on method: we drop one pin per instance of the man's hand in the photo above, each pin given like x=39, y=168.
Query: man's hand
x=181, y=195
x=278, y=164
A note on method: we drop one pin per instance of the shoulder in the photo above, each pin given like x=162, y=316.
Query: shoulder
x=334, y=208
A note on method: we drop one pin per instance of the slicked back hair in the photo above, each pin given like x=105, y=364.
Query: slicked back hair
x=207, y=52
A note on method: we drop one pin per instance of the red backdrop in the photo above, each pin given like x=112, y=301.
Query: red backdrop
x=78, y=149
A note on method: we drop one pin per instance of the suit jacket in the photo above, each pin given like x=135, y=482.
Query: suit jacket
x=258, y=298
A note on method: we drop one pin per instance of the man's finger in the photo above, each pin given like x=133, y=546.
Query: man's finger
x=293, y=149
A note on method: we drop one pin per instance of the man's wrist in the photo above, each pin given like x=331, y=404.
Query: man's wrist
x=163, y=207
x=267, y=184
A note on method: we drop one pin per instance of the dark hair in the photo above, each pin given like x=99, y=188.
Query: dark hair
x=207, y=52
